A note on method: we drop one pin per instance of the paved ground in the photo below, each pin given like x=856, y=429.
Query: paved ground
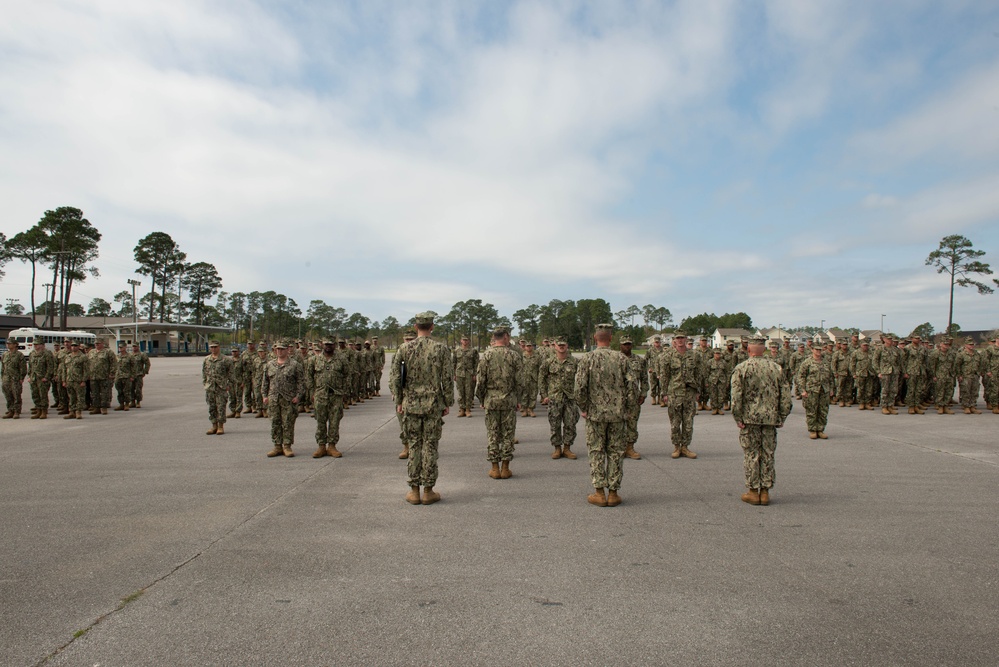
x=134, y=539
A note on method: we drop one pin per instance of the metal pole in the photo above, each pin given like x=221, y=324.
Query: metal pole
x=135, y=313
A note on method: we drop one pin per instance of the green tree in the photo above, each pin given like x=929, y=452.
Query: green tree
x=124, y=298
x=14, y=308
x=390, y=330
x=72, y=246
x=99, y=307
x=30, y=247
x=74, y=310
x=4, y=253
x=202, y=282
x=957, y=258
x=924, y=331
x=527, y=321
x=160, y=258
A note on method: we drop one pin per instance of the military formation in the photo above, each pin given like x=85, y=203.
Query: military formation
x=292, y=378
x=73, y=378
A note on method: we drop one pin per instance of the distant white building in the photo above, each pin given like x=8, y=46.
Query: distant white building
x=721, y=337
x=775, y=333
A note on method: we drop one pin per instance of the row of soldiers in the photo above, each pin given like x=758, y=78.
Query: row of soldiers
x=79, y=377
x=291, y=379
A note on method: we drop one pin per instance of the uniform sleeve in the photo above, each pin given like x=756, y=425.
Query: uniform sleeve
x=582, y=385
x=481, y=378
x=395, y=376
x=737, y=378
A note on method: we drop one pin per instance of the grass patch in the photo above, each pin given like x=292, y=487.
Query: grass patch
x=80, y=633
x=128, y=599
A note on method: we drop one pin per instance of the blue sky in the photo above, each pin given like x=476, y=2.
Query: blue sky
x=795, y=160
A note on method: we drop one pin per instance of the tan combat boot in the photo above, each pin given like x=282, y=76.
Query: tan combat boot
x=79, y=414
x=333, y=451
x=752, y=496
x=413, y=497
x=286, y=450
x=912, y=411
x=557, y=454
x=597, y=498
x=687, y=453
x=885, y=411
x=940, y=411
x=430, y=496
x=505, y=471
x=70, y=415
x=764, y=496
x=404, y=454
x=613, y=500
x=813, y=435
x=236, y=415
x=221, y=430
x=9, y=414
x=676, y=453
x=119, y=408
x=631, y=453
x=260, y=415
x=35, y=412
x=320, y=452
x=494, y=471
x=213, y=430
x=920, y=411
x=45, y=414
x=277, y=451
x=568, y=453
x=975, y=410
x=947, y=410
x=823, y=436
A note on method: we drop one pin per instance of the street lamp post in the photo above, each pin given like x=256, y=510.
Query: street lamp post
x=135, y=312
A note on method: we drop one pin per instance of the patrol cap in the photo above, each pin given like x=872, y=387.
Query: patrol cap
x=211, y=343
x=424, y=318
x=528, y=343
x=465, y=337
x=915, y=337
x=501, y=330
x=280, y=344
x=374, y=338
x=121, y=343
x=774, y=343
x=11, y=339
x=545, y=340
x=626, y=340
x=730, y=343
x=605, y=327
x=409, y=335
x=657, y=339
x=329, y=341
x=679, y=333
x=561, y=341
x=865, y=342
x=705, y=339
x=969, y=341
x=803, y=345
x=757, y=340
x=716, y=350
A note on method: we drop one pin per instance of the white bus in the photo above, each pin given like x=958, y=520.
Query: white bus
x=27, y=336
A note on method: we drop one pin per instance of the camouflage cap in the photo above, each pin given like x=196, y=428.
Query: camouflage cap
x=716, y=350
x=801, y=345
x=545, y=340
x=280, y=344
x=657, y=339
x=705, y=339
x=464, y=337
x=605, y=327
x=374, y=338
x=528, y=343
x=757, y=340
x=424, y=318
x=501, y=330
x=410, y=334
x=329, y=341
x=969, y=341
x=679, y=333
x=561, y=341
x=626, y=340
x=211, y=343
x=866, y=342
x=11, y=339
x=730, y=343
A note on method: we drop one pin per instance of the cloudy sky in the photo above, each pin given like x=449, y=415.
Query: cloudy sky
x=795, y=160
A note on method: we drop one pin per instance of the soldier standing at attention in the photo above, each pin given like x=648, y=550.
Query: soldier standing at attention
x=557, y=381
x=466, y=362
x=103, y=365
x=41, y=369
x=718, y=373
x=761, y=401
x=943, y=369
x=498, y=389
x=75, y=381
x=889, y=365
x=839, y=366
x=424, y=393
x=914, y=372
x=216, y=376
x=704, y=355
x=379, y=353
x=123, y=376
x=329, y=379
x=651, y=358
x=283, y=384
x=249, y=361
x=862, y=370
x=529, y=380
x=606, y=394
x=969, y=370
x=236, y=392
x=640, y=371
x=259, y=366
x=407, y=337
x=13, y=368
x=815, y=377
x=680, y=373
x=142, y=365
x=992, y=376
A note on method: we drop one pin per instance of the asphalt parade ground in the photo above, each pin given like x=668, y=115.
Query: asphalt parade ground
x=135, y=539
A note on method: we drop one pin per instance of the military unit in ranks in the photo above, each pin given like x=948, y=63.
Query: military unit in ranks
x=291, y=379
x=78, y=379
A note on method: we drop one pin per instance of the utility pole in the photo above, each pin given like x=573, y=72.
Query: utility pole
x=48, y=308
x=882, y=322
x=135, y=311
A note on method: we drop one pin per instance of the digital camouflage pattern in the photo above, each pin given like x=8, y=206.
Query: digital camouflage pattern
x=329, y=376
x=681, y=377
x=283, y=386
x=640, y=371
x=969, y=367
x=606, y=392
x=889, y=367
x=466, y=363
x=498, y=386
x=816, y=381
x=13, y=370
x=761, y=401
x=529, y=380
x=943, y=370
x=557, y=381
x=41, y=373
x=216, y=377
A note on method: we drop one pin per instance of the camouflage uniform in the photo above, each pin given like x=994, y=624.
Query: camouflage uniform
x=606, y=394
x=498, y=381
x=862, y=370
x=142, y=365
x=59, y=391
x=249, y=360
x=761, y=401
x=681, y=376
x=328, y=377
x=75, y=375
x=216, y=376
x=943, y=369
x=640, y=371
x=13, y=368
x=557, y=382
x=651, y=357
x=815, y=377
x=379, y=354
x=704, y=353
x=889, y=366
x=718, y=373
x=283, y=386
x=529, y=382
x=839, y=366
x=914, y=368
x=992, y=377
x=969, y=371
x=466, y=362
x=422, y=376
x=236, y=391
x=103, y=364
x=259, y=366
x=124, y=374
x=41, y=372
